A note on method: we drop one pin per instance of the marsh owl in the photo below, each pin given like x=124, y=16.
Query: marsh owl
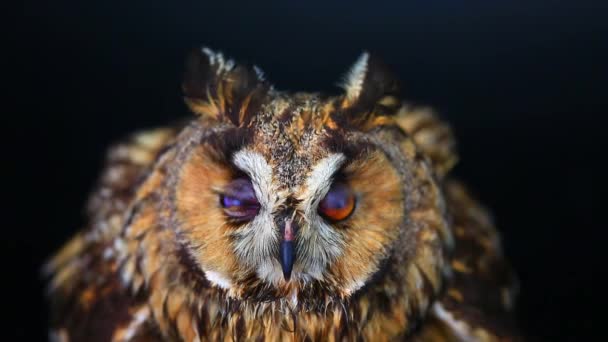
x=276, y=215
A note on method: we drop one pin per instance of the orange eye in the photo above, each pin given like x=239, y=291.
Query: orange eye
x=338, y=204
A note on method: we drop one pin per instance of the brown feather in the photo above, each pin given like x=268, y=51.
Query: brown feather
x=159, y=260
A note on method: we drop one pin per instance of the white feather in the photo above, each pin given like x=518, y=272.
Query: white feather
x=319, y=181
x=320, y=243
x=138, y=319
x=459, y=328
x=256, y=167
x=257, y=239
x=353, y=81
x=218, y=279
x=217, y=59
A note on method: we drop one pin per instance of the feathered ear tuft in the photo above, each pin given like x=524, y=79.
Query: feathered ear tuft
x=371, y=92
x=218, y=88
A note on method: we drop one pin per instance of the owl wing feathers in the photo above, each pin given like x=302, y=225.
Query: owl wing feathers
x=432, y=136
x=479, y=297
x=477, y=302
x=85, y=290
x=88, y=293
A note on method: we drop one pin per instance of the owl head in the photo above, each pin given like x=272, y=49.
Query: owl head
x=293, y=196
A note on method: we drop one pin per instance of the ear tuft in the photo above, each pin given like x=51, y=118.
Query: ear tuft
x=219, y=88
x=371, y=92
x=354, y=78
x=259, y=73
x=217, y=61
x=369, y=82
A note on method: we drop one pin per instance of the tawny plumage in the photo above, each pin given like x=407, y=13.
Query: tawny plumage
x=284, y=216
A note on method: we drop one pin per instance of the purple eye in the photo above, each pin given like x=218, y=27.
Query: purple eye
x=239, y=201
x=338, y=204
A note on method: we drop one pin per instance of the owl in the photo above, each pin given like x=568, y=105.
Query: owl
x=277, y=216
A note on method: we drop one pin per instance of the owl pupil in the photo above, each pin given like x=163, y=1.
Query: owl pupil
x=336, y=200
x=228, y=201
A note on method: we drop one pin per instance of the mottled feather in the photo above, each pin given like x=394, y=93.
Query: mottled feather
x=418, y=259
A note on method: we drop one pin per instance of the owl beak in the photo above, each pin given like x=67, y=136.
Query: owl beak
x=287, y=256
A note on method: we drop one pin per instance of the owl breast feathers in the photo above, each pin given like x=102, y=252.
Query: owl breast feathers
x=284, y=216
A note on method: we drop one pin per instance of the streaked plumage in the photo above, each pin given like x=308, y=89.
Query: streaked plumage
x=414, y=257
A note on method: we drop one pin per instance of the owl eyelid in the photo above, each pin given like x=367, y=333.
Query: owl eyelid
x=238, y=199
x=240, y=213
x=244, y=202
x=245, y=213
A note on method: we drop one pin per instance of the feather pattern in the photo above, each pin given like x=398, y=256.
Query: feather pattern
x=161, y=260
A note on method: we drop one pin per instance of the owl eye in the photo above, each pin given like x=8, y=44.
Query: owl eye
x=239, y=201
x=338, y=204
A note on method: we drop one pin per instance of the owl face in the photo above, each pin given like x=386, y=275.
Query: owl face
x=288, y=196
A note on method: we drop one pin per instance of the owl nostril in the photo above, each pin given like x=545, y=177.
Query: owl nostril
x=287, y=252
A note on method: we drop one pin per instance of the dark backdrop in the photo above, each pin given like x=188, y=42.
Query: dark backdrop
x=524, y=86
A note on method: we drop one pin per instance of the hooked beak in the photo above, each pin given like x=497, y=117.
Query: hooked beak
x=287, y=252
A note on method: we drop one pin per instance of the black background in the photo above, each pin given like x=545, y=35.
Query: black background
x=523, y=84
